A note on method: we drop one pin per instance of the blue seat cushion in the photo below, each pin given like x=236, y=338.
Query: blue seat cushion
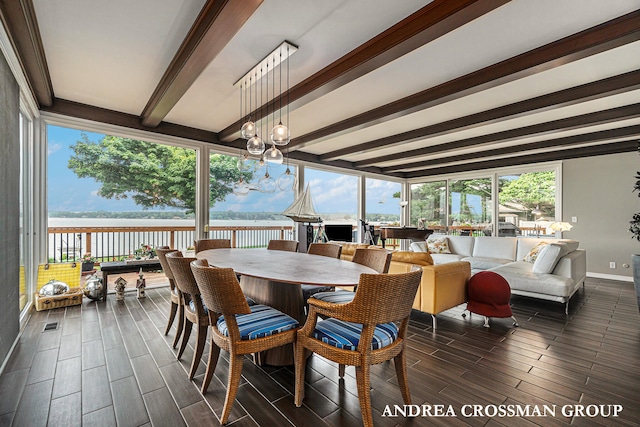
x=310, y=290
x=192, y=306
x=262, y=322
x=337, y=297
x=346, y=335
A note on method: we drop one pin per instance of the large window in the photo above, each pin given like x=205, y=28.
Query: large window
x=25, y=242
x=382, y=204
x=335, y=195
x=470, y=206
x=96, y=180
x=428, y=205
x=526, y=203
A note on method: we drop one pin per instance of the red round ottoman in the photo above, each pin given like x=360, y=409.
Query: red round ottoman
x=489, y=294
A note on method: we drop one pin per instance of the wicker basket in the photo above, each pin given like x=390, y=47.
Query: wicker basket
x=47, y=302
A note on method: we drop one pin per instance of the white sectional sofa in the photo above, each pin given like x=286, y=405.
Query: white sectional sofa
x=553, y=271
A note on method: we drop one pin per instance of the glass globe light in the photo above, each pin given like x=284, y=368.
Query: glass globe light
x=245, y=164
x=266, y=184
x=287, y=181
x=255, y=145
x=248, y=130
x=273, y=155
x=240, y=188
x=280, y=135
x=260, y=164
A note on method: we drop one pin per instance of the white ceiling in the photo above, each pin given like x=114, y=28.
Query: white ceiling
x=112, y=54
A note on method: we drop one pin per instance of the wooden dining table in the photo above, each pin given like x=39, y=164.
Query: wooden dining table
x=273, y=278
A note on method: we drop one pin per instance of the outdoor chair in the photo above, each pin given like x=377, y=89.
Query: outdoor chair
x=361, y=333
x=176, y=299
x=204, y=244
x=283, y=245
x=237, y=327
x=377, y=259
x=194, y=311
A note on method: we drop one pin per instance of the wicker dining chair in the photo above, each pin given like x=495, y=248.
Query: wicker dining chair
x=377, y=259
x=283, y=245
x=195, y=312
x=331, y=250
x=204, y=244
x=176, y=299
x=361, y=333
x=237, y=327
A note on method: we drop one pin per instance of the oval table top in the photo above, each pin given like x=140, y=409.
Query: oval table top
x=287, y=267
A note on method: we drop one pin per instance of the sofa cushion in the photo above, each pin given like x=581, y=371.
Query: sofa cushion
x=534, y=252
x=521, y=277
x=417, y=258
x=548, y=258
x=495, y=247
x=461, y=245
x=485, y=263
x=419, y=246
x=438, y=246
x=445, y=258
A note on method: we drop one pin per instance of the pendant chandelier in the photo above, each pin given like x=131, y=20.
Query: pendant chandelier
x=268, y=107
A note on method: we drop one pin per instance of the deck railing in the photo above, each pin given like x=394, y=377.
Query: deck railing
x=114, y=243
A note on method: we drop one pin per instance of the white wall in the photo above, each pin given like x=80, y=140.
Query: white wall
x=598, y=191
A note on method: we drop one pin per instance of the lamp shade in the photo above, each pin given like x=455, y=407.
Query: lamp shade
x=560, y=226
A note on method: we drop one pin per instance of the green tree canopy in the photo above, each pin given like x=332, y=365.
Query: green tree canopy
x=530, y=190
x=153, y=175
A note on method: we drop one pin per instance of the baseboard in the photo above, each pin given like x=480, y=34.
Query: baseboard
x=610, y=277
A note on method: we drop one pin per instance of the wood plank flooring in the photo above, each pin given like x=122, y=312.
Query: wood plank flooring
x=109, y=364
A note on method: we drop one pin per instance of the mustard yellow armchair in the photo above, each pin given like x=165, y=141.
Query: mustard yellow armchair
x=442, y=287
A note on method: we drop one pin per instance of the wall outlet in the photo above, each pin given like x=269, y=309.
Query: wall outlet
x=574, y=219
x=612, y=264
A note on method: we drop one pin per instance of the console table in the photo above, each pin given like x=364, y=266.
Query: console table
x=412, y=233
x=132, y=266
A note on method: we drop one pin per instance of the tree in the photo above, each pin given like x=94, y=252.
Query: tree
x=153, y=175
x=530, y=190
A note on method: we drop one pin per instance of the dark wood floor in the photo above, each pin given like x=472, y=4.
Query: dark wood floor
x=109, y=364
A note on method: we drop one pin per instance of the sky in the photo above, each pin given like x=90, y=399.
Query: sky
x=331, y=192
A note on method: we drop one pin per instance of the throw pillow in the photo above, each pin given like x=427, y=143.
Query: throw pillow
x=534, y=252
x=547, y=259
x=438, y=246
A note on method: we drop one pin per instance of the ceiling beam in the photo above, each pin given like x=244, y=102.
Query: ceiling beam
x=19, y=18
x=574, y=153
x=568, y=141
x=217, y=23
x=575, y=122
x=117, y=118
x=563, y=98
x=427, y=24
x=617, y=32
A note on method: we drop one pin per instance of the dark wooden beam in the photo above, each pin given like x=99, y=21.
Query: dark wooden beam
x=217, y=23
x=102, y=115
x=568, y=141
x=574, y=153
x=617, y=32
x=19, y=18
x=427, y=24
x=571, y=96
x=569, y=123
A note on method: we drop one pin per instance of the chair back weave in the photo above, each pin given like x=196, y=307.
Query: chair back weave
x=383, y=298
x=220, y=289
x=162, y=252
x=182, y=274
x=204, y=244
x=330, y=250
x=283, y=245
x=378, y=259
